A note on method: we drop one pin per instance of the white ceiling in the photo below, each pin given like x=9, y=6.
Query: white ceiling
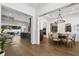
x=36, y=5
x=74, y=9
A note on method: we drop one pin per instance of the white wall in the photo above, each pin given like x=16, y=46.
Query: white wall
x=61, y=28
x=43, y=22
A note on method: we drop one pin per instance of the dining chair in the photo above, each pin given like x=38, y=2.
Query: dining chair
x=71, y=40
x=55, y=38
x=50, y=36
x=63, y=39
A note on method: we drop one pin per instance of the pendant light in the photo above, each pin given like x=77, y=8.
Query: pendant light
x=60, y=18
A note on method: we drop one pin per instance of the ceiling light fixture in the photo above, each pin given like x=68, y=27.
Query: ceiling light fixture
x=60, y=18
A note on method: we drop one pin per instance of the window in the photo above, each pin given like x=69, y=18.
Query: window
x=68, y=27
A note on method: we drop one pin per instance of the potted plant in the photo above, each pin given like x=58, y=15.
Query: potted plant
x=2, y=44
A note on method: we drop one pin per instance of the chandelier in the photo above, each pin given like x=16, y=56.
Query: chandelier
x=60, y=18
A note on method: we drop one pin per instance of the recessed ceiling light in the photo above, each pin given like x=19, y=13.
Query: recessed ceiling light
x=72, y=9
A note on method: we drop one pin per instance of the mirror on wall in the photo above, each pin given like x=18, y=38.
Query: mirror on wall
x=54, y=27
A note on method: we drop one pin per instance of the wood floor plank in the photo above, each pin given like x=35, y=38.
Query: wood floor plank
x=22, y=47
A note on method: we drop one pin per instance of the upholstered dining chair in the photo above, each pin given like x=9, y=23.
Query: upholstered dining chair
x=55, y=38
x=50, y=36
x=71, y=40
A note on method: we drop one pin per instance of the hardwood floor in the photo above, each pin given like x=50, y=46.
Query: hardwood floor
x=22, y=47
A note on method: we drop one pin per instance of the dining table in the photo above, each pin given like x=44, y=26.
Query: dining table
x=62, y=37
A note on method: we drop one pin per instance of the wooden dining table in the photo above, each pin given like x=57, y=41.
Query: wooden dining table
x=62, y=38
